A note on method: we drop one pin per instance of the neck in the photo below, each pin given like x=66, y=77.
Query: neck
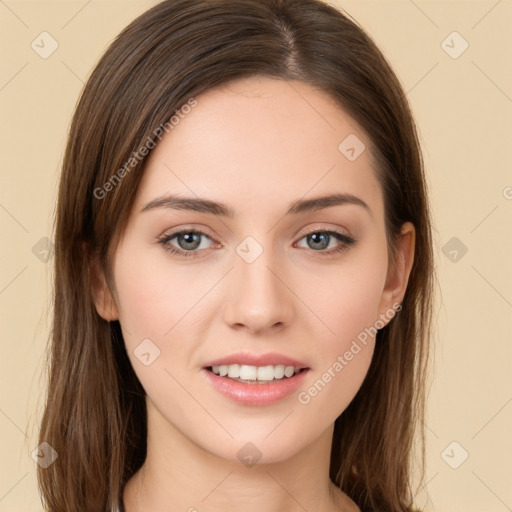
x=179, y=475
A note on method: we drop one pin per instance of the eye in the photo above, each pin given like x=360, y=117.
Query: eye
x=320, y=240
x=188, y=240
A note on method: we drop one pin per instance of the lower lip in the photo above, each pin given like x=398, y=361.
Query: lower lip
x=256, y=394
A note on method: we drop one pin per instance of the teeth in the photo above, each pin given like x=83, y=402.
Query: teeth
x=248, y=372
x=234, y=371
x=289, y=371
x=263, y=373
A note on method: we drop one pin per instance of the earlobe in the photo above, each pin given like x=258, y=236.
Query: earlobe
x=400, y=269
x=101, y=294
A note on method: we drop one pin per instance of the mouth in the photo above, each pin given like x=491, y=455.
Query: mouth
x=249, y=374
x=256, y=379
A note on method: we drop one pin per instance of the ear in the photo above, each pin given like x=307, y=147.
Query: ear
x=101, y=294
x=400, y=268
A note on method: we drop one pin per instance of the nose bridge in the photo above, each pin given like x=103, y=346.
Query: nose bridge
x=257, y=297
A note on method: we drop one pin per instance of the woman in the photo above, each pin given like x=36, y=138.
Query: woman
x=243, y=270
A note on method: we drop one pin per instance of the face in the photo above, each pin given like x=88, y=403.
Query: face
x=307, y=286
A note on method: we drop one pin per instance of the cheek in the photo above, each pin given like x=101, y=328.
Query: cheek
x=155, y=297
x=348, y=300
x=158, y=308
x=350, y=309
x=167, y=304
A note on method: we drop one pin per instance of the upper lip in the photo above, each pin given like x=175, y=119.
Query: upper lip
x=268, y=359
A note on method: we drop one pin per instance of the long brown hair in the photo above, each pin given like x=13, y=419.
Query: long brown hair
x=95, y=414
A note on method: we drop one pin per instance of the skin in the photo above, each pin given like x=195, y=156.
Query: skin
x=256, y=145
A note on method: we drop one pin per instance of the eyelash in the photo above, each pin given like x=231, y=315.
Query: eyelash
x=346, y=240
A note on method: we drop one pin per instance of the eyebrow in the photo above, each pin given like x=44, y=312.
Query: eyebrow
x=222, y=210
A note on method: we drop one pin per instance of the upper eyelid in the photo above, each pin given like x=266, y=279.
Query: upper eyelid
x=328, y=229
x=188, y=229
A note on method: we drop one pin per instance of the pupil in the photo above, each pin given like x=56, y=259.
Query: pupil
x=316, y=236
x=190, y=238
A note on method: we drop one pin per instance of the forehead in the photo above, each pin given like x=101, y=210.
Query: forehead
x=260, y=143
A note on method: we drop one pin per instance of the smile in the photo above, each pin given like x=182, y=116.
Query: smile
x=254, y=392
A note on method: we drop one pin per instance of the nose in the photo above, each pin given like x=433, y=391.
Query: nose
x=258, y=297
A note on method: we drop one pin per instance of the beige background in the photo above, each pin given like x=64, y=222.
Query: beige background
x=463, y=107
